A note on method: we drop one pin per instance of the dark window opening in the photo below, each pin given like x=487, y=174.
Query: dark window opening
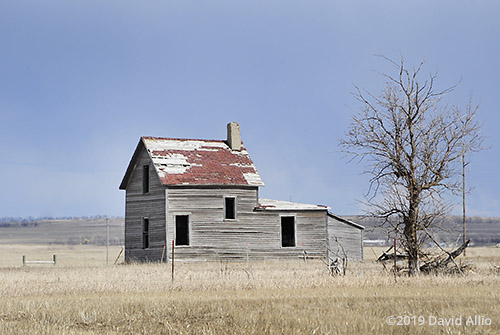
x=145, y=233
x=288, y=231
x=182, y=230
x=145, y=179
x=230, y=208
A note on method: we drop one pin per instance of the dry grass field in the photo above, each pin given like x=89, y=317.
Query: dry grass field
x=81, y=295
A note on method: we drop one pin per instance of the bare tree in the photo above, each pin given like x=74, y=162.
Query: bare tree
x=413, y=144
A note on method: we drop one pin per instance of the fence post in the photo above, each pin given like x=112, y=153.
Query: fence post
x=24, y=259
x=116, y=260
x=163, y=252
x=395, y=261
x=107, y=241
x=54, y=259
x=173, y=259
x=246, y=245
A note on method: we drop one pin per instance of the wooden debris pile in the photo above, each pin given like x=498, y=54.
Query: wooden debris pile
x=442, y=264
x=337, y=266
x=388, y=256
x=394, y=256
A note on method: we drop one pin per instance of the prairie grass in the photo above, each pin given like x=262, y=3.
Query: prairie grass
x=81, y=295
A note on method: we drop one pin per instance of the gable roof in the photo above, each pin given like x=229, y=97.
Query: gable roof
x=196, y=162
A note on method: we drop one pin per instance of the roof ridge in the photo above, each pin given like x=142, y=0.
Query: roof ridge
x=180, y=139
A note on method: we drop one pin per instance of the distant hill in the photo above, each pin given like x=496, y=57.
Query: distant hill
x=89, y=230
x=482, y=231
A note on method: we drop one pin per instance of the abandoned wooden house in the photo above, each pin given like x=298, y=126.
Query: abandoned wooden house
x=203, y=196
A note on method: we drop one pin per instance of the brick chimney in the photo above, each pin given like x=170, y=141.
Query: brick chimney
x=233, y=136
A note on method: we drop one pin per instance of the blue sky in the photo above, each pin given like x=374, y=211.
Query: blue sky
x=81, y=81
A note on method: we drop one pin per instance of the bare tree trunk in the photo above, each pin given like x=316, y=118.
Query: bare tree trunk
x=412, y=246
x=410, y=230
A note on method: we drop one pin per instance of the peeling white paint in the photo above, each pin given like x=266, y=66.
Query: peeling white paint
x=174, y=156
x=253, y=179
x=171, y=164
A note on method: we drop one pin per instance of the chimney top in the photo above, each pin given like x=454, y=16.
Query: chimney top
x=234, y=136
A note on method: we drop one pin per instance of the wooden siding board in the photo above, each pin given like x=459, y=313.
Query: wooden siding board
x=254, y=232
x=138, y=206
x=348, y=236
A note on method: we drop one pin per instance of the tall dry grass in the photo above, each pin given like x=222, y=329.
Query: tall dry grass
x=274, y=297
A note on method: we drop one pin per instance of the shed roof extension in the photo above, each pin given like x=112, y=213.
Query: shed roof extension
x=197, y=162
x=278, y=205
x=338, y=218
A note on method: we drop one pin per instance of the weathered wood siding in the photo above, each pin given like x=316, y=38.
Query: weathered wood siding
x=348, y=236
x=139, y=206
x=256, y=233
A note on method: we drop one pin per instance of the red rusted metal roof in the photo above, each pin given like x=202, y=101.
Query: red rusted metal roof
x=200, y=162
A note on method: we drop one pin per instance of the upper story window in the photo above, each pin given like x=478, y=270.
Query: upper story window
x=145, y=179
x=230, y=208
